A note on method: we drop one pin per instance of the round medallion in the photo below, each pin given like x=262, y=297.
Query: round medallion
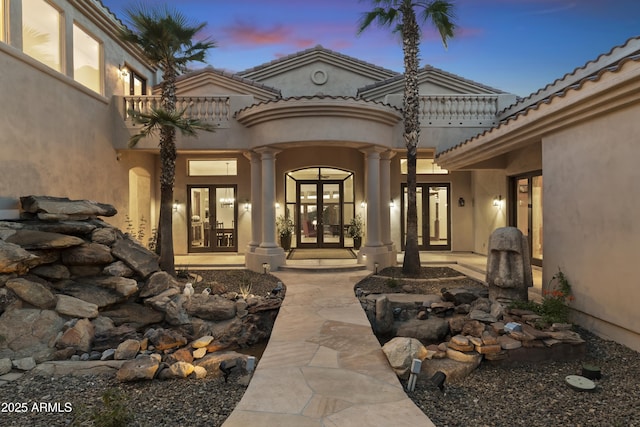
x=319, y=76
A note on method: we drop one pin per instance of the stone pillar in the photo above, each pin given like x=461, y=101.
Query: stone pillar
x=268, y=250
x=256, y=200
x=385, y=197
x=374, y=254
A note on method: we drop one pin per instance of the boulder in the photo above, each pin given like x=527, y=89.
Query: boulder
x=122, y=285
x=210, y=307
x=127, y=350
x=482, y=316
x=37, y=340
x=87, y=254
x=460, y=296
x=211, y=362
x=384, y=315
x=42, y=240
x=454, y=370
x=79, y=336
x=165, y=339
x=32, y=293
x=65, y=206
x=74, y=228
x=508, y=343
x=199, y=353
x=118, y=269
x=475, y=328
x=180, y=355
x=432, y=329
x=90, y=293
x=464, y=356
x=142, y=368
x=5, y=366
x=181, y=369
x=52, y=271
x=74, y=307
x=102, y=324
x=157, y=283
x=137, y=257
x=113, y=337
x=24, y=364
x=400, y=353
x=132, y=314
x=199, y=372
x=202, y=341
x=104, y=236
x=14, y=259
x=160, y=301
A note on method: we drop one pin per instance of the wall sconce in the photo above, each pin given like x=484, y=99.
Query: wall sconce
x=122, y=69
x=497, y=202
x=392, y=204
x=363, y=204
x=176, y=205
x=247, y=206
x=277, y=205
x=461, y=202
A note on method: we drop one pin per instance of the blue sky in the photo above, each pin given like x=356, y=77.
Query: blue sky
x=517, y=46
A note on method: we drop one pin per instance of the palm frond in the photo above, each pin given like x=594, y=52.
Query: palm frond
x=441, y=14
x=158, y=118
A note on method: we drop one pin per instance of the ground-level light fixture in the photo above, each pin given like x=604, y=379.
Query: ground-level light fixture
x=375, y=266
x=265, y=267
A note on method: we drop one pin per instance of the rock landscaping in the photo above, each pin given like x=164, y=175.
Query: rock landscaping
x=73, y=287
x=448, y=321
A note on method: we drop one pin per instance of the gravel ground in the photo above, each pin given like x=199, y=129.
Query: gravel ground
x=431, y=281
x=492, y=396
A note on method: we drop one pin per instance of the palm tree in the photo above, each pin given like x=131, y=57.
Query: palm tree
x=401, y=15
x=167, y=39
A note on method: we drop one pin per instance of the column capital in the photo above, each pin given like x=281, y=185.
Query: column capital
x=373, y=150
x=267, y=152
x=388, y=155
x=251, y=155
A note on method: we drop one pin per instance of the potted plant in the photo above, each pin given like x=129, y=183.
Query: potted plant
x=355, y=231
x=285, y=230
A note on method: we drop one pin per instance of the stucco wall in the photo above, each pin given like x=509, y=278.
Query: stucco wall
x=486, y=185
x=56, y=137
x=591, y=227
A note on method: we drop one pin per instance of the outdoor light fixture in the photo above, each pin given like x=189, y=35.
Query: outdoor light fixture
x=461, y=202
x=247, y=206
x=122, y=69
x=176, y=204
x=265, y=267
x=363, y=204
x=375, y=266
x=277, y=205
x=497, y=202
x=392, y=204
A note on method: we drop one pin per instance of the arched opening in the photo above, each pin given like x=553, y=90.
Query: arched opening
x=321, y=202
x=139, y=220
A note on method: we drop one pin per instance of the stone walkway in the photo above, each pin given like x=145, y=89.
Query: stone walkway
x=323, y=366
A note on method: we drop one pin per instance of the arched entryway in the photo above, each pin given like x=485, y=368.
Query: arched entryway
x=321, y=202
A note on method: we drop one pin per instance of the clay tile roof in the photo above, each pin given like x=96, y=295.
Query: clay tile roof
x=230, y=75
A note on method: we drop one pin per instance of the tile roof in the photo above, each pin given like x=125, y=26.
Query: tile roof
x=229, y=75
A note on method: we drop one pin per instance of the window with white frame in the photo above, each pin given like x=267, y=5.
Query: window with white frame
x=41, y=32
x=86, y=59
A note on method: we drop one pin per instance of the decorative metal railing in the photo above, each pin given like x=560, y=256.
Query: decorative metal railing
x=211, y=109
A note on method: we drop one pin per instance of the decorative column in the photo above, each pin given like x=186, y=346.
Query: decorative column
x=267, y=252
x=385, y=196
x=256, y=200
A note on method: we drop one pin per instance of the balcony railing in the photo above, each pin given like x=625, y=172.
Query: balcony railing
x=208, y=109
x=458, y=109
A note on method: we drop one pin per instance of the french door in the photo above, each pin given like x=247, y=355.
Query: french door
x=526, y=211
x=319, y=211
x=213, y=218
x=434, y=216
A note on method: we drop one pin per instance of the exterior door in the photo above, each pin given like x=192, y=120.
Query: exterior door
x=320, y=217
x=526, y=211
x=213, y=218
x=434, y=216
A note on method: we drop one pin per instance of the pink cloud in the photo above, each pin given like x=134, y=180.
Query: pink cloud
x=244, y=33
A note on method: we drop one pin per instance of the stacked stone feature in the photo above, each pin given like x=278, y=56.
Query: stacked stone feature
x=88, y=291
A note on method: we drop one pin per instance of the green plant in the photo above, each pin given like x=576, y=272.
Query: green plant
x=284, y=225
x=114, y=412
x=356, y=227
x=245, y=287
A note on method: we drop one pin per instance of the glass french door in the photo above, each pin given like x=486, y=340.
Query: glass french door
x=320, y=217
x=434, y=216
x=213, y=218
x=526, y=211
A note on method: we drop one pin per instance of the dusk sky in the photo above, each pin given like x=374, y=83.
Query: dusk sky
x=517, y=46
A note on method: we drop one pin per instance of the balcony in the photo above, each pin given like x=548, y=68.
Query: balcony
x=215, y=110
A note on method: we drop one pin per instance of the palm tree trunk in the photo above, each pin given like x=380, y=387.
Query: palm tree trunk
x=410, y=46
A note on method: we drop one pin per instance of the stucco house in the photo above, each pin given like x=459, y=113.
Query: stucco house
x=317, y=136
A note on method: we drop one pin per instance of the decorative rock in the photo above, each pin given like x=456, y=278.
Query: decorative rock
x=75, y=228
x=52, y=272
x=199, y=353
x=463, y=348
x=202, y=342
x=488, y=338
x=475, y=341
x=118, y=269
x=142, y=368
x=65, y=206
x=14, y=259
x=489, y=349
x=138, y=258
x=567, y=336
x=498, y=328
x=473, y=327
x=211, y=362
x=454, y=370
x=165, y=339
x=24, y=364
x=104, y=236
x=181, y=369
x=5, y=365
x=79, y=337
x=429, y=330
x=102, y=324
x=111, y=338
x=35, y=340
x=482, y=316
x=160, y=301
x=127, y=350
x=180, y=355
x=400, y=353
x=508, y=343
x=561, y=326
x=33, y=240
x=75, y=307
x=210, y=307
x=482, y=304
x=199, y=372
x=456, y=324
x=465, y=357
x=157, y=283
x=463, y=295
x=135, y=315
x=175, y=313
x=87, y=254
x=33, y=293
x=459, y=340
x=108, y=354
x=85, y=270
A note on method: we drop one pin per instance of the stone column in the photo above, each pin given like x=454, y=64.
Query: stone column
x=385, y=196
x=268, y=251
x=373, y=197
x=256, y=200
